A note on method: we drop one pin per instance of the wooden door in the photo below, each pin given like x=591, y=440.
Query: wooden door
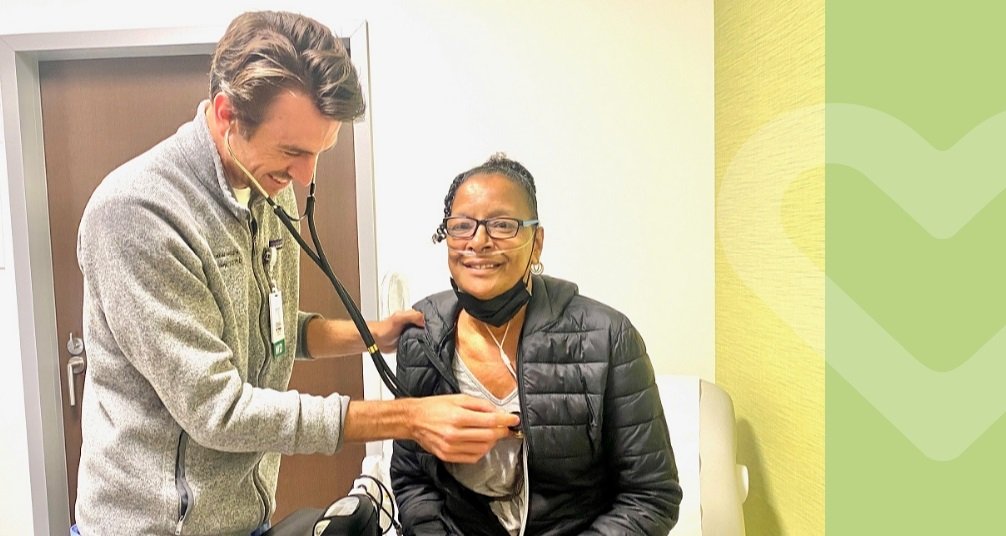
x=98, y=114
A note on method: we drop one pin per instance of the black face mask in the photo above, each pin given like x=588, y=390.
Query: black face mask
x=496, y=311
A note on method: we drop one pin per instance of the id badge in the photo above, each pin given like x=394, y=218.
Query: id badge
x=277, y=335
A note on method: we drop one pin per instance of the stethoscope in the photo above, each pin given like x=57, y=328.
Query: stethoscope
x=318, y=256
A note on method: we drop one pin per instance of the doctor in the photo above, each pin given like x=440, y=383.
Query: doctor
x=190, y=306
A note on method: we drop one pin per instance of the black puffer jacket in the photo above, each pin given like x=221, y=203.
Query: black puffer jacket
x=599, y=455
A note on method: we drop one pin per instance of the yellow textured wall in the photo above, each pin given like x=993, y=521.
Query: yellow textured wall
x=769, y=77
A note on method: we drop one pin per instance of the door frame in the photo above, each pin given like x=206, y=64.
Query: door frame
x=32, y=260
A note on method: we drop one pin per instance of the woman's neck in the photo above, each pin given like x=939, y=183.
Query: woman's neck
x=503, y=333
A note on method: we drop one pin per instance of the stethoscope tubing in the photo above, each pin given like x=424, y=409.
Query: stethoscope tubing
x=317, y=255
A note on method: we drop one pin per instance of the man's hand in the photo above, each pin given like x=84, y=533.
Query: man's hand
x=458, y=428
x=334, y=338
x=387, y=331
x=454, y=428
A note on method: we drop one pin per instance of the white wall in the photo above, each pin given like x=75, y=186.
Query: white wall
x=608, y=104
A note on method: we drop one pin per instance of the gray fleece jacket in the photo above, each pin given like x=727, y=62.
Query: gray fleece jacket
x=185, y=410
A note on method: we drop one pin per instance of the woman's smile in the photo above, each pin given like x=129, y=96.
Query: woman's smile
x=482, y=265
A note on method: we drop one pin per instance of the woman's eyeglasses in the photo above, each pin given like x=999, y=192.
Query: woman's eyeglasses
x=500, y=228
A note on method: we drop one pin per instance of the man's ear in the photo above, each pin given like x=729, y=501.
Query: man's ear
x=223, y=113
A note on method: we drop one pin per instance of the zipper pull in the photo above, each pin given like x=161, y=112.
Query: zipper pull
x=590, y=413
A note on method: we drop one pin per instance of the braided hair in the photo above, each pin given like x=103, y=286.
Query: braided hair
x=498, y=163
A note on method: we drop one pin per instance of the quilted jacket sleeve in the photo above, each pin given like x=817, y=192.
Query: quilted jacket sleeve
x=639, y=447
x=420, y=503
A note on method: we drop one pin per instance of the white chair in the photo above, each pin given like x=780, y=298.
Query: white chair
x=700, y=418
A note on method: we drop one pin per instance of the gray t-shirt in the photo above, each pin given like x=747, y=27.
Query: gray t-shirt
x=497, y=473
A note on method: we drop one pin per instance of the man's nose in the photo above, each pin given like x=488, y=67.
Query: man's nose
x=303, y=170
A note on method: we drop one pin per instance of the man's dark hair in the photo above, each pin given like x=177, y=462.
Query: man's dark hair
x=265, y=52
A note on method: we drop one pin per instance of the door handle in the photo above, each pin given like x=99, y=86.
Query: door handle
x=75, y=365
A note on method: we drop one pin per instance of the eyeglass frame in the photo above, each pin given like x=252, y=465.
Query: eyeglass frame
x=521, y=224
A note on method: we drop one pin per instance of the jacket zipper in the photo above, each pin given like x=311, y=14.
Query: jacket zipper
x=526, y=492
x=181, y=485
x=526, y=510
x=260, y=489
x=263, y=307
x=263, y=300
x=590, y=412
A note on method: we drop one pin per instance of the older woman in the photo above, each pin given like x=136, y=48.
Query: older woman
x=592, y=455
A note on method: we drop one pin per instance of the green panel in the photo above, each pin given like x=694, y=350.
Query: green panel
x=916, y=266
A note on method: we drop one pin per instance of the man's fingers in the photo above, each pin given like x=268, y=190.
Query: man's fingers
x=487, y=420
x=410, y=316
x=507, y=420
x=482, y=414
x=477, y=404
x=461, y=428
x=466, y=451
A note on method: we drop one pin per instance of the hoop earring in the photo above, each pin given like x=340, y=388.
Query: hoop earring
x=537, y=268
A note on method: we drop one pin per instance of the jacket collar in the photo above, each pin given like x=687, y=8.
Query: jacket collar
x=206, y=156
x=549, y=298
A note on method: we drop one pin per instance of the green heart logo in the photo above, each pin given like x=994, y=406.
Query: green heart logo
x=942, y=412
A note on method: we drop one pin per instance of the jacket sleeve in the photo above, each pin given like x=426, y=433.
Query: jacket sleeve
x=637, y=444
x=420, y=502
